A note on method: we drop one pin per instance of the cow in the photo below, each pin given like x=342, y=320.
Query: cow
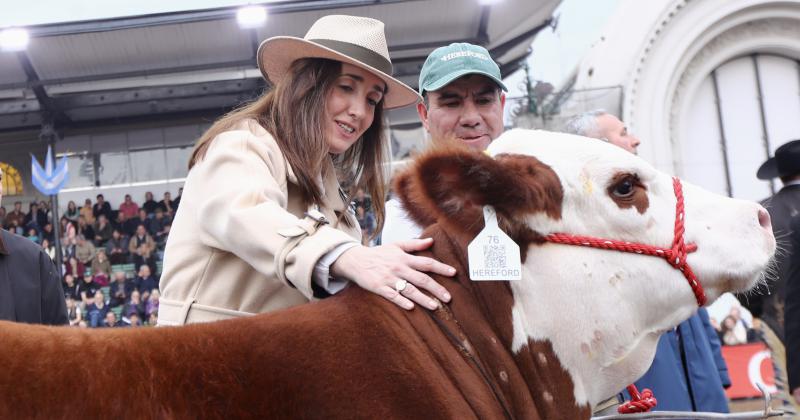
x=581, y=324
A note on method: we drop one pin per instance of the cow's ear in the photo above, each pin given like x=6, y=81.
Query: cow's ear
x=453, y=185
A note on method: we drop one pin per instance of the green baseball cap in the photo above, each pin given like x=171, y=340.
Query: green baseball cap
x=446, y=64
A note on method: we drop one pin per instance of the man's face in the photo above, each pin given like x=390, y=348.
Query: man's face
x=470, y=109
x=614, y=130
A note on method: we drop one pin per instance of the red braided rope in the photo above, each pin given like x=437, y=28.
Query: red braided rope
x=639, y=403
x=675, y=256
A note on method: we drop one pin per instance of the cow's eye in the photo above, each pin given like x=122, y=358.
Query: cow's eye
x=625, y=187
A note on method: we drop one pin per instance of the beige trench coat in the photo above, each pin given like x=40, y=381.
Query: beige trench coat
x=241, y=207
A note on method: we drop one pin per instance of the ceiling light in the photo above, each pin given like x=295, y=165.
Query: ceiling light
x=13, y=39
x=251, y=16
x=489, y=2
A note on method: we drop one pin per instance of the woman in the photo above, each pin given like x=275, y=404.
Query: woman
x=72, y=212
x=49, y=249
x=263, y=223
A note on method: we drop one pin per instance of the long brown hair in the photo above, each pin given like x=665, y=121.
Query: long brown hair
x=294, y=113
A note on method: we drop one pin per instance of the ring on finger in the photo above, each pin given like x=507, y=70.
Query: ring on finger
x=400, y=285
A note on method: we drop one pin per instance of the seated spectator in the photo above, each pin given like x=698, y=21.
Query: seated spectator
x=129, y=208
x=72, y=212
x=47, y=233
x=86, y=212
x=145, y=281
x=15, y=228
x=74, y=267
x=84, y=250
x=149, y=204
x=101, y=267
x=111, y=321
x=119, y=222
x=141, y=246
x=16, y=215
x=85, y=228
x=135, y=306
x=49, y=249
x=71, y=288
x=33, y=235
x=177, y=201
x=141, y=219
x=120, y=289
x=161, y=242
x=101, y=207
x=74, y=313
x=88, y=290
x=151, y=306
x=102, y=230
x=68, y=246
x=367, y=223
x=157, y=224
x=134, y=320
x=166, y=205
x=35, y=219
x=117, y=248
x=152, y=319
x=96, y=311
x=729, y=337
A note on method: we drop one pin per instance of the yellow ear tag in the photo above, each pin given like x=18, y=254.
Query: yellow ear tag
x=493, y=255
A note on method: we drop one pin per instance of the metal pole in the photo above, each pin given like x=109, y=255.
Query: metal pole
x=57, y=232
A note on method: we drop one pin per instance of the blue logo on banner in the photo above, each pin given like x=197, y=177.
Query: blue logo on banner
x=48, y=180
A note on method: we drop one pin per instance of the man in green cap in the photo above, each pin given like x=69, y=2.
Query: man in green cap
x=463, y=98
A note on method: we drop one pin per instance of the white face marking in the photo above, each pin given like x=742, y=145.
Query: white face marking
x=612, y=306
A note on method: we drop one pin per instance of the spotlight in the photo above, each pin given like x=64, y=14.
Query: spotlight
x=251, y=16
x=13, y=39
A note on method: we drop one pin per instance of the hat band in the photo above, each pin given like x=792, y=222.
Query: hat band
x=359, y=53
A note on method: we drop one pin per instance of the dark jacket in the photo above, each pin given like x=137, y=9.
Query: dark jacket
x=696, y=341
x=792, y=314
x=770, y=302
x=30, y=287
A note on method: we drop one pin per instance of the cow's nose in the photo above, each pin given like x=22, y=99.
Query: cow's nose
x=764, y=219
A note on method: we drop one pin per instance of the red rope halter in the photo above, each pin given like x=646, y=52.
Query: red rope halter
x=675, y=256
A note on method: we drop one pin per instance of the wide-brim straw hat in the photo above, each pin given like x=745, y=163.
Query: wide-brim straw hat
x=355, y=40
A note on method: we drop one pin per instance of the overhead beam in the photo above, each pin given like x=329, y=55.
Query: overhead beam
x=50, y=111
x=125, y=96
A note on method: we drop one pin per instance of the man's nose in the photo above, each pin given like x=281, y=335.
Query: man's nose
x=470, y=117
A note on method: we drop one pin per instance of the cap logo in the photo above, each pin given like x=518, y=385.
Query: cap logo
x=459, y=54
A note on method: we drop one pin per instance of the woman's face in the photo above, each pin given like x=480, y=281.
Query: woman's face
x=350, y=107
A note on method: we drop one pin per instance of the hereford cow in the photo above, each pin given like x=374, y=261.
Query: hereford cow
x=581, y=324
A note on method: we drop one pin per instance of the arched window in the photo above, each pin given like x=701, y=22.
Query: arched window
x=12, y=181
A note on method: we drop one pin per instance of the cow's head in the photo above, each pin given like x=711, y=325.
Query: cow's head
x=601, y=310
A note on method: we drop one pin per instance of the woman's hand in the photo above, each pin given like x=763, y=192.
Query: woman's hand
x=380, y=269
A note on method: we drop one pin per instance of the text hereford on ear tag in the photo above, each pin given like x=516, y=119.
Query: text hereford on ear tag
x=493, y=255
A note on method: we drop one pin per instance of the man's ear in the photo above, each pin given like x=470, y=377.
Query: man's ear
x=422, y=110
x=452, y=185
x=502, y=100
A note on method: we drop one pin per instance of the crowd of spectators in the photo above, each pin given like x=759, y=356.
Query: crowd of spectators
x=735, y=329
x=111, y=257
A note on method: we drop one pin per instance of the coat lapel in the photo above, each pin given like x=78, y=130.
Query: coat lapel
x=7, y=309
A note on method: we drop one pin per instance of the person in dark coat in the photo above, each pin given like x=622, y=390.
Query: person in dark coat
x=792, y=314
x=30, y=287
x=697, y=383
x=782, y=207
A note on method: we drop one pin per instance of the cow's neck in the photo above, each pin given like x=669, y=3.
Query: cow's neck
x=589, y=304
x=484, y=310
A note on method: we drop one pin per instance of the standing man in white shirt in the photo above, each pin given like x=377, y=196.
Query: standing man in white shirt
x=463, y=98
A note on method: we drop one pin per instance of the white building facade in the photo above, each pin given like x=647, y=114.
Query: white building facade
x=711, y=87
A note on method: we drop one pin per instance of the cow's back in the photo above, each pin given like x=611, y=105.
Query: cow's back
x=356, y=355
